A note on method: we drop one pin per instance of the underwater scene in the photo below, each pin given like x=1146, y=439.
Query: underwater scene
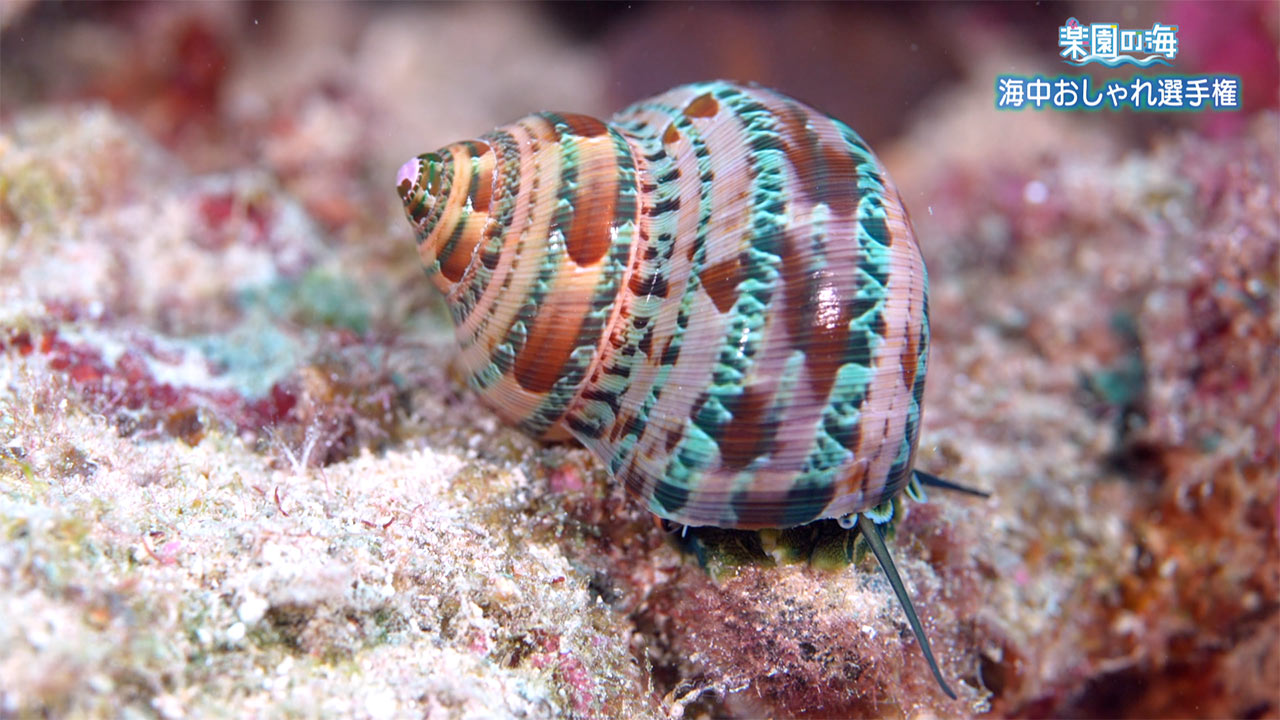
x=640, y=360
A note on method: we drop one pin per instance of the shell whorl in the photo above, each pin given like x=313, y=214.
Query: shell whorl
x=718, y=292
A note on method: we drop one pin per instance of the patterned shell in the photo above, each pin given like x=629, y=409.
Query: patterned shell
x=718, y=292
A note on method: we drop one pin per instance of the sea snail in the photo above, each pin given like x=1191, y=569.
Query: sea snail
x=718, y=292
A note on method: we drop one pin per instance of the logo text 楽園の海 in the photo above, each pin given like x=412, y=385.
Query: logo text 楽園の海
x=1109, y=45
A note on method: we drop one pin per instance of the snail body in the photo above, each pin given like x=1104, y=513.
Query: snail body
x=718, y=292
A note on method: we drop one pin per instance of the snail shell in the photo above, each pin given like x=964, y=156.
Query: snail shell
x=718, y=292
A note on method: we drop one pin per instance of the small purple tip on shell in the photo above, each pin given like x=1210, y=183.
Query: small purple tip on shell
x=409, y=172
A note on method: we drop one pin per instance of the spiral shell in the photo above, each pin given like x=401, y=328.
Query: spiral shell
x=718, y=292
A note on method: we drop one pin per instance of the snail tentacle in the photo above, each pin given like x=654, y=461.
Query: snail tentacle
x=871, y=533
x=931, y=480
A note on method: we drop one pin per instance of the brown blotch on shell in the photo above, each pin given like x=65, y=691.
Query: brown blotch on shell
x=803, y=150
x=585, y=125
x=455, y=265
x=670, y=136
x=721, y=282
x=485, y=177
x=595, y=203
x=838, y=187
x=749, y=434
x=817, y=315
x=703, y=106
x=673, y=438
x=551, y=341
x=908, y=359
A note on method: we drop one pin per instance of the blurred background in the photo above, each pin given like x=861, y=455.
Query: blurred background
x=296, y=85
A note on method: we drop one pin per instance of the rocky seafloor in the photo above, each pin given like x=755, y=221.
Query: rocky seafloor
x=236, y=478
